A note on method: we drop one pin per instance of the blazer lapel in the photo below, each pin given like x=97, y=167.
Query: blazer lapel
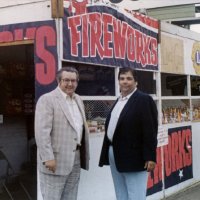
x=109, y=114
x=127, y=106
x=80, y=106
x=63, y=104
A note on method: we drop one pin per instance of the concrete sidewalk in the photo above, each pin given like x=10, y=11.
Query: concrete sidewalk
x=190, y=193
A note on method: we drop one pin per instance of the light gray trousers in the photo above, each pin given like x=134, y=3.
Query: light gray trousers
x=54, y=187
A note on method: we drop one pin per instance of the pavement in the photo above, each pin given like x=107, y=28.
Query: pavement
x=189, y=193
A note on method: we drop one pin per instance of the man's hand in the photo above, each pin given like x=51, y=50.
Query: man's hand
x=50, y=165
x=149, y=165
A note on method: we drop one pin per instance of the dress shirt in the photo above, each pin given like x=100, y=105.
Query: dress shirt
x=115, y=115
x=76, y=115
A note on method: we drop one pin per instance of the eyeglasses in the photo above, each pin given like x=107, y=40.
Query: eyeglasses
x=69, y=80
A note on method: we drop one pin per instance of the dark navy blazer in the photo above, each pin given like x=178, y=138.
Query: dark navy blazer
x=135, y=137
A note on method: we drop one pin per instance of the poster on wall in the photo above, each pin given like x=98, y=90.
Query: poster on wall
x=180, y=55
x=172, y=54
x=103, y=34
x=177, y=161
x=195, y=58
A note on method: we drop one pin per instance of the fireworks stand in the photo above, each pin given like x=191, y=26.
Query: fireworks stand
x=39, y=37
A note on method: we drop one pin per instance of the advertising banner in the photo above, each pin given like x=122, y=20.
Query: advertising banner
x=43, y=35
x=102, y=34
x=178, y=156
x=177, y=161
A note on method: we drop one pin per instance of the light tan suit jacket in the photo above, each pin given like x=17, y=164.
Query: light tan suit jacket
x=55, y=133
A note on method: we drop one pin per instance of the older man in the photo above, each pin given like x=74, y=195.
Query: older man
x=61, y=135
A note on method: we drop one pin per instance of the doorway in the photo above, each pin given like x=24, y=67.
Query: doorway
x=18, y=177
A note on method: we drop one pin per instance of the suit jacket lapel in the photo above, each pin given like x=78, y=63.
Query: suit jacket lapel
x=63, y=104
x=81, y=108
x=127, y=106
x=109, y=115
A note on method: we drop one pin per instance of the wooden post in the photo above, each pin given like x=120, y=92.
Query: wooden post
x=57, y=8
x=60, y=8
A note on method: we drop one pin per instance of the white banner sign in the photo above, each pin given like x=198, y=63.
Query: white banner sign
x=162, y=136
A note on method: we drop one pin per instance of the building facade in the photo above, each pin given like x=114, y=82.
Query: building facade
x=36, y=40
